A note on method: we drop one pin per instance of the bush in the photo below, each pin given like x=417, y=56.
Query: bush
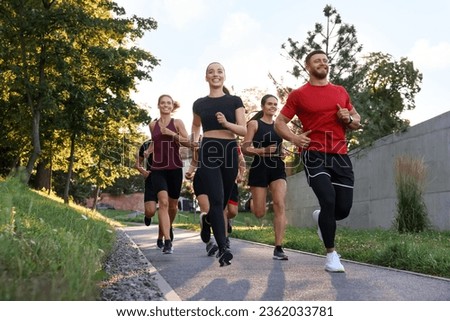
x=411, y=209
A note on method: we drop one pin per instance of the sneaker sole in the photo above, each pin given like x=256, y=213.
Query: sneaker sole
x=225, y=259
x=334, y=271
x=284, y=258
x=212, y=250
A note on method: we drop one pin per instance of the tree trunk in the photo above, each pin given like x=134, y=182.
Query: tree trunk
x=35, y=109
x=43, y=174
x=70, y=169
x=35, y=139
x=94, y=203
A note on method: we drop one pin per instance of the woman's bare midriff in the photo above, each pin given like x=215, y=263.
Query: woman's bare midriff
x=221, y=134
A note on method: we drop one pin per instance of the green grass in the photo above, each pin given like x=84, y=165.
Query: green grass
x=426, y=252
x=48, y=250
x=52, y=251
x=123, y=216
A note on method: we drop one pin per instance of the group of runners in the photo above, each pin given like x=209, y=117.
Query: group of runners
x=218, y=164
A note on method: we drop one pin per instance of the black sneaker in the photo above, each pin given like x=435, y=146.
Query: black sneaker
x=279, y=255
x=167, y=249
x=224, y=256
x=171, y=233
x=147, y=221
x=230, y=227
x=211, y=248
x=159, y=243
x=205, y=232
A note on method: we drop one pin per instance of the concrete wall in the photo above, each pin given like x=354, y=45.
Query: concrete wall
x=374, y=204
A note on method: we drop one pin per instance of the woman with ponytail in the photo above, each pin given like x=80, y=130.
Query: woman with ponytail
x=167, y=167
x=222, y=118
x=268, y=169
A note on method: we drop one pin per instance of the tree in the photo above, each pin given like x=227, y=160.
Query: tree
x=337, y=39
x=76, y=66
x=386, y=90
x=25, y=52
x=380, y=88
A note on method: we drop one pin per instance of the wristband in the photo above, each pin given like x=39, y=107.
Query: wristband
x=351, y=120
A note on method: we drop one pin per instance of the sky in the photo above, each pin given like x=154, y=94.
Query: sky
x=245, y=36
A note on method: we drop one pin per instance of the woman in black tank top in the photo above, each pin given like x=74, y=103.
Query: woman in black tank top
x=268, y=169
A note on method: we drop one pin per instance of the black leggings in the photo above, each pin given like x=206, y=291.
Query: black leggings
x=335, y=204
x=217, y=171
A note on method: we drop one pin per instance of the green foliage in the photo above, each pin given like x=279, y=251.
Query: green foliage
x=414, y=256
x=337, y=39
x=187, y=189
x=293, y=161
x=79, y=190
x=68, y=68
x=386, y=90
x=49, y=251
x=411, y=209
x=130, y=185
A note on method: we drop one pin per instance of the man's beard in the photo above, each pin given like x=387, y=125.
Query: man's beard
x=320, y=75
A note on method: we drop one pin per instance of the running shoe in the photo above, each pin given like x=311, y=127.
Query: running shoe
x=159, y=243
x=147, y=220
x=315, y=216
x=224, y=256
x=205, y=232
x=279, y=255
x=167, y=249
x=211, y=248
x=333, y=263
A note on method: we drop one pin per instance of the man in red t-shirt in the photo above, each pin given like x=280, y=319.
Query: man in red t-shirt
x=326, y=112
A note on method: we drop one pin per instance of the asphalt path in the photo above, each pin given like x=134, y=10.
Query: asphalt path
x=190, y=275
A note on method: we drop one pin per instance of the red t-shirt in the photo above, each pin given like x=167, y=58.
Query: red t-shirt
x=316, y=107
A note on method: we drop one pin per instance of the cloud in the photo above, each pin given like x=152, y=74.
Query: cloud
x=239, y=27
x=427, y=56
x=182, y=12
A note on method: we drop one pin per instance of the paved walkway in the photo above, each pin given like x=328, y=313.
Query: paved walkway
x=190, y=275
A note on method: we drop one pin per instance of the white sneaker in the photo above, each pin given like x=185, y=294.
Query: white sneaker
x=315, y=216
x=333, y=264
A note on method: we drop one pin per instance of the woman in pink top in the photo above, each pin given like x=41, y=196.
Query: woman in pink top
x=167, y=167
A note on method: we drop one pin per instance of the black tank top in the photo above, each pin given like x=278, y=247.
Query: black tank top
x=142, y=149
x=266, y=136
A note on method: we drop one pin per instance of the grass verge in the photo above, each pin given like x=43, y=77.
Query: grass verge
x=48, y=250
x=427, y=252
x=51, y=251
